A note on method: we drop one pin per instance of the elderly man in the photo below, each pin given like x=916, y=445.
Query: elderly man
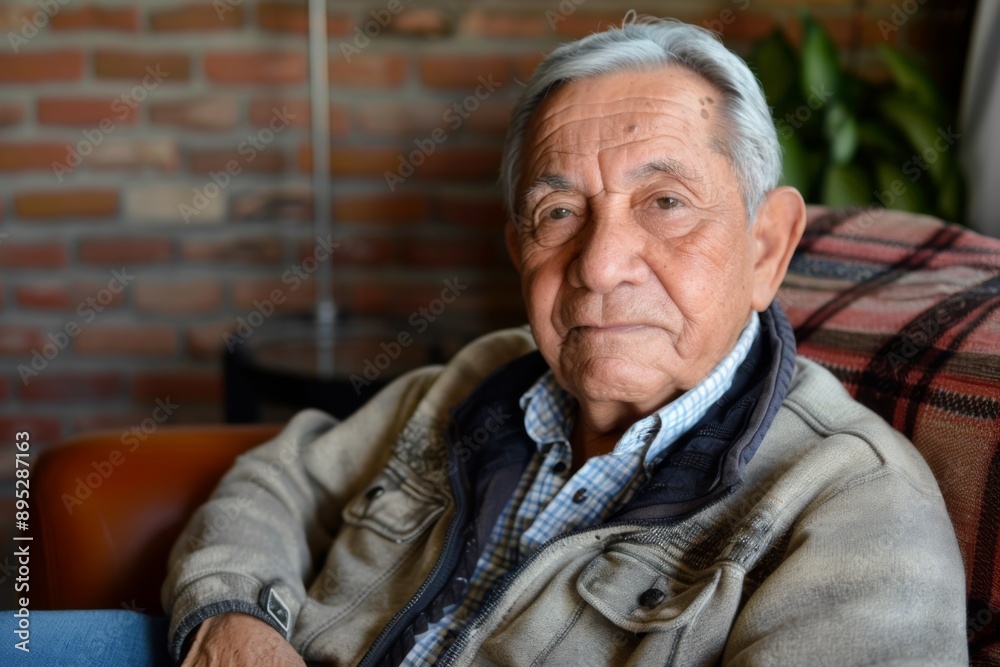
x=662, y=481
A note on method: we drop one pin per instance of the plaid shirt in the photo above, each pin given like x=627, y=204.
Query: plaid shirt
x=548, y=502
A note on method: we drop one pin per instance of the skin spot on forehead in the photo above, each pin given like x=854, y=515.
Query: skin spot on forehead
x=704, y=113
x=631, y=129
x=710, y=100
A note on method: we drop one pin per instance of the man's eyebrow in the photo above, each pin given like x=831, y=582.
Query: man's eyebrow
x=545, y=182
x=664, y=166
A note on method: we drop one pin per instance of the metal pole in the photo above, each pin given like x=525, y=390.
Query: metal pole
x=319, y=93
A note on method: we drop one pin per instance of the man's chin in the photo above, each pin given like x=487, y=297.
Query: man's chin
x=617, y=379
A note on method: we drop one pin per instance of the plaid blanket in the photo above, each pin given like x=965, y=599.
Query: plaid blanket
x=905, y=310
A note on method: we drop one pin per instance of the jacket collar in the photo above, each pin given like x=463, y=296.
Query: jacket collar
x=704, y=464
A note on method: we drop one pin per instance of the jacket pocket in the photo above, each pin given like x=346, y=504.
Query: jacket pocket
x=639, y=597
x=396, y=505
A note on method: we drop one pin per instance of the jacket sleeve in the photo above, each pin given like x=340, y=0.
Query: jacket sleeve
x=871, y=574
x=254, y=547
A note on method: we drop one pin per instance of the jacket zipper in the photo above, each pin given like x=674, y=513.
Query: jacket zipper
x=460, y=642
x=497, y=594
x=445, y=564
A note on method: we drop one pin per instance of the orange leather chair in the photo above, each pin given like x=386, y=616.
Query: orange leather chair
x=107, y=517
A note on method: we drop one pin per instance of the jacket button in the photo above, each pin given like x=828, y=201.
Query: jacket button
x=580, y=495
x=651, y=598
x=374, y=492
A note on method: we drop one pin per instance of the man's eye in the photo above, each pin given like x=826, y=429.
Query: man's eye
x=559, y=213
x=667, y=203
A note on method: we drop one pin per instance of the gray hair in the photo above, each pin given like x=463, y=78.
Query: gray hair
x=747, y=136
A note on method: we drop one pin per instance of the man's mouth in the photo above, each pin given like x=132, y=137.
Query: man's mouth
x=623, y=327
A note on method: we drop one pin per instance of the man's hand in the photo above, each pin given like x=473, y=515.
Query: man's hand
x=237, y=640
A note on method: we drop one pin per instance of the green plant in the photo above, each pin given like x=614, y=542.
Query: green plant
x=852, y=142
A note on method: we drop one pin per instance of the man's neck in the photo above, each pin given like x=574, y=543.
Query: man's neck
x=592, y=437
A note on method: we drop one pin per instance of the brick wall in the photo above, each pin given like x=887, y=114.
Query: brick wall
x=154, y=177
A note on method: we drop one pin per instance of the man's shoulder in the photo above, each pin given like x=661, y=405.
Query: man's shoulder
x=819, y=413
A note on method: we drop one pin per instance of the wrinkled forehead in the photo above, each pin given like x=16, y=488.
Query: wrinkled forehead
x=615, y=113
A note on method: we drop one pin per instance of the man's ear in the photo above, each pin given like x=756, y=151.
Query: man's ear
x=776, y=233
x=513, y=239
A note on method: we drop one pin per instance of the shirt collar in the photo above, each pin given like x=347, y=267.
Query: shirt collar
x=550, y=410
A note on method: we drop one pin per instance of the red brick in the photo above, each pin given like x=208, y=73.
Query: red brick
x=354, y=161
x=63, y=296
x=370, y=70
x=262, y=111
x=63, y=65
x=31, y=156
x=183, y=386
x=289, y=203
x=463, y=71
x=72, y=387
x=420, y=22
x=526, y=64
x=40, y=429
x=465, y=164
x=10, y=115
x=275, y=67
x=367, y=250
x=434, y=252
x=153, y=203
x=491, y=23
x=737, y=25
x=365, y=296
x=205, y=341
x=116, y=420
x=140, y=66
x=67, y=204
x=38, y=255
x=271, y=160
x=43, y=297
x=458, y=164
x=420, y=293
x=12, y=16
x=20, y=340
x=402, y=119
x=196, y=17
x=116, y=250
x=294, y=17
x=208, y=113
x=493, y=117
x=92, y=17
x=82, y=111
x=300, y=300
x=133, y=155
x=380, y=208
x=190, y=297
x=256, y=250
x=488, y=214
x=580, y=23
x=143, y=340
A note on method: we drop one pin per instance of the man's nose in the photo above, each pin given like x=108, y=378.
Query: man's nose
x=610, y=251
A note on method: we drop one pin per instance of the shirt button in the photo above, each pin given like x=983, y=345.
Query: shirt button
x=559, y=468
x=580, y=495
x=651, y=598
